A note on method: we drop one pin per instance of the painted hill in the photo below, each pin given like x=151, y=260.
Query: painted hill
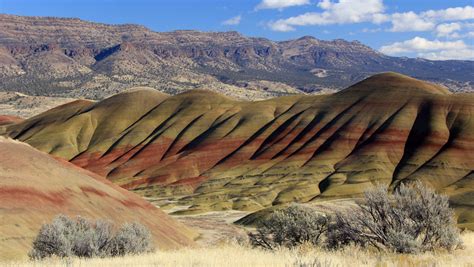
x=34, y=187
x=8, y=119
x=210, y=152
x=46, y=56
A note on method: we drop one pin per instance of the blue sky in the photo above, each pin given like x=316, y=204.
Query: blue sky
x=435, y=29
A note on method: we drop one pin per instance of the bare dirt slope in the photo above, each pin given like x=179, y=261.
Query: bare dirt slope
x=34, y=187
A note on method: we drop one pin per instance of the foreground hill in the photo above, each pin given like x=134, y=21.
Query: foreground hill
x=34, y=188
x=210, y=152
x=75, y=58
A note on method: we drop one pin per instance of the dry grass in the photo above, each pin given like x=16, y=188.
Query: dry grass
x=236, y=255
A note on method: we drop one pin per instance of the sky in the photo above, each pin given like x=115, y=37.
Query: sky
x=433, y=29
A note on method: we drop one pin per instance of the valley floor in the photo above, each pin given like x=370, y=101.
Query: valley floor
x=236, y=255
x=215, y=228
x=219, y=245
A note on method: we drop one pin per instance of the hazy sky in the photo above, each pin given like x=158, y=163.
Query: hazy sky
x=435, y=29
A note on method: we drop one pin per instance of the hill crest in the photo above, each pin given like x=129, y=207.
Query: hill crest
x=397, y=82
x=210, y=153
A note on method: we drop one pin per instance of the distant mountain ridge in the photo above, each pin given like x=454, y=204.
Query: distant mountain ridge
x=75, y=58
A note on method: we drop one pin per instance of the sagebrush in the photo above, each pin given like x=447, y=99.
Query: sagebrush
x=133, y=238
x=81, y=237
x=413, y=219
x=290, y=227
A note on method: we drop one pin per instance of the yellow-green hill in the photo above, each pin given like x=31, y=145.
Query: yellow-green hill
x=210, y=152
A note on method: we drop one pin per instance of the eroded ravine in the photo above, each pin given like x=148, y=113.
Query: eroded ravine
x=213, y=153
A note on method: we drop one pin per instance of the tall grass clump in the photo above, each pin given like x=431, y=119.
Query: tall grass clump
x=80, y=237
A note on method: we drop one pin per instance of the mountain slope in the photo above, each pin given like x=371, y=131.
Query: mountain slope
x=35, y=187
x=7, y=119
x=205, y=150
x=76, y=58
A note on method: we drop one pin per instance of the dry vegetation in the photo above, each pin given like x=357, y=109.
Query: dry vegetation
x=86, y=238
x=26, y=106
x=235, y=251
x=240, y=255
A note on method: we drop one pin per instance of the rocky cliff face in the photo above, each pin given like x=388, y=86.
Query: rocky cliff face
x=71, y=57
x=209, y=152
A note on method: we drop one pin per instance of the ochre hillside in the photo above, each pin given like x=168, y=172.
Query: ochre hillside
x=34, y=188
x=210, y=152
x=6, y=119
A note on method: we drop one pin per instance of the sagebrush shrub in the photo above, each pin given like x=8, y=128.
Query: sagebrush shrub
x=81, y=237
x=132, y=238
x=290, y=227
x=412, y=219
x=103, y=236
x=53, y=239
